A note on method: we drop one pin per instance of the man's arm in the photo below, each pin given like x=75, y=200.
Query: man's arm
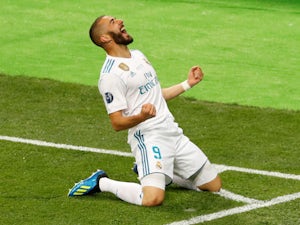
x=120, y=122
x=195, y=75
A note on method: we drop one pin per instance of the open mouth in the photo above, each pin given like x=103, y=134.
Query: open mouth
x=123, y=30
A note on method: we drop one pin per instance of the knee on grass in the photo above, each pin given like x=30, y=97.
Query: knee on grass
x=213, y=186
x=153, y=196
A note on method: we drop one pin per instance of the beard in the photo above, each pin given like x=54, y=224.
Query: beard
x=120, y=39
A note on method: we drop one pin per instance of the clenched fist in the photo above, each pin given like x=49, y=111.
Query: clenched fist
x=195, y=75
x=148, y=111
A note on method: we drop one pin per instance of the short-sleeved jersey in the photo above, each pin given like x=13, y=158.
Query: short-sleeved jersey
x=128, y=83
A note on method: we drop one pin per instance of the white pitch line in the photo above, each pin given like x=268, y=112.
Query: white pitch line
x=237, y=210
x=253, y=203
x=222, y=168
x=238, y=198
x=64, y=146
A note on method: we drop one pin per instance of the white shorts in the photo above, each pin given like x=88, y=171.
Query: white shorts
x=206, y=174
x=166, y=151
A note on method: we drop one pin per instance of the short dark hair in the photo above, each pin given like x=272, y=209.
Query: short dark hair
x=95, y=31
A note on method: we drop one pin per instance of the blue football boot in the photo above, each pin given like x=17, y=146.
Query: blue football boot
x=88, y=186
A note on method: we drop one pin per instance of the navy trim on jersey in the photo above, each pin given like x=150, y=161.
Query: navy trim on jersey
x=143, y=150
x=108, y=65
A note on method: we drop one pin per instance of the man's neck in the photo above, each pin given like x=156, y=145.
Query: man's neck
x=121, y=51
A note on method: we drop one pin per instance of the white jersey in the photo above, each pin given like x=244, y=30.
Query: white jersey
x=128, y=83
x=158, y=144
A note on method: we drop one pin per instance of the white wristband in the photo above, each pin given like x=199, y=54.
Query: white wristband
x=185, y=85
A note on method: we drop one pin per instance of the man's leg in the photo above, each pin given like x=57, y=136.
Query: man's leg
x=151, y=192
x=206, y=179
x=126, y=191
x=212, y=186
x=153, y=189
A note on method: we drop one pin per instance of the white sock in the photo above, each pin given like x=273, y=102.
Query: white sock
x=184, y=183
x=127, y=191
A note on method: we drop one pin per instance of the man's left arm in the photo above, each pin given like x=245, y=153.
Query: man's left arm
x=195, y=75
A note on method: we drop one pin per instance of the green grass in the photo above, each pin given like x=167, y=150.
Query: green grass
x=35, y=180
x=38, y=195
x=249, y=52
x=247, y=49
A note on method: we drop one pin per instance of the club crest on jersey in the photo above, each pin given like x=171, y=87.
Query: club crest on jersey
x=158, y=165
x=124, y=67
x=109, y=97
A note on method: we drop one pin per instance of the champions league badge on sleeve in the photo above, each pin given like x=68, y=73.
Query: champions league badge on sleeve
x=109, y=97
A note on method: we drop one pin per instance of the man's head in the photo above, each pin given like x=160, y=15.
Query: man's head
x=109, y=30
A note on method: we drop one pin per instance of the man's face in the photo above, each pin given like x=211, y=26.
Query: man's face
x=117, y=31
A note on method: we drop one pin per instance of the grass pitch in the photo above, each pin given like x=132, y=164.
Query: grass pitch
x=35, y=180
x=249, y=53
x=249, y=50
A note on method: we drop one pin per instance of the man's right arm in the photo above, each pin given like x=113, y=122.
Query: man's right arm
x=120, y=122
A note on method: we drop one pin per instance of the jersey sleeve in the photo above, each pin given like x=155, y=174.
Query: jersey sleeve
x=113, y=91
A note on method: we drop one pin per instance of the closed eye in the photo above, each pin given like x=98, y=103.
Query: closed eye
x=112, y=21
